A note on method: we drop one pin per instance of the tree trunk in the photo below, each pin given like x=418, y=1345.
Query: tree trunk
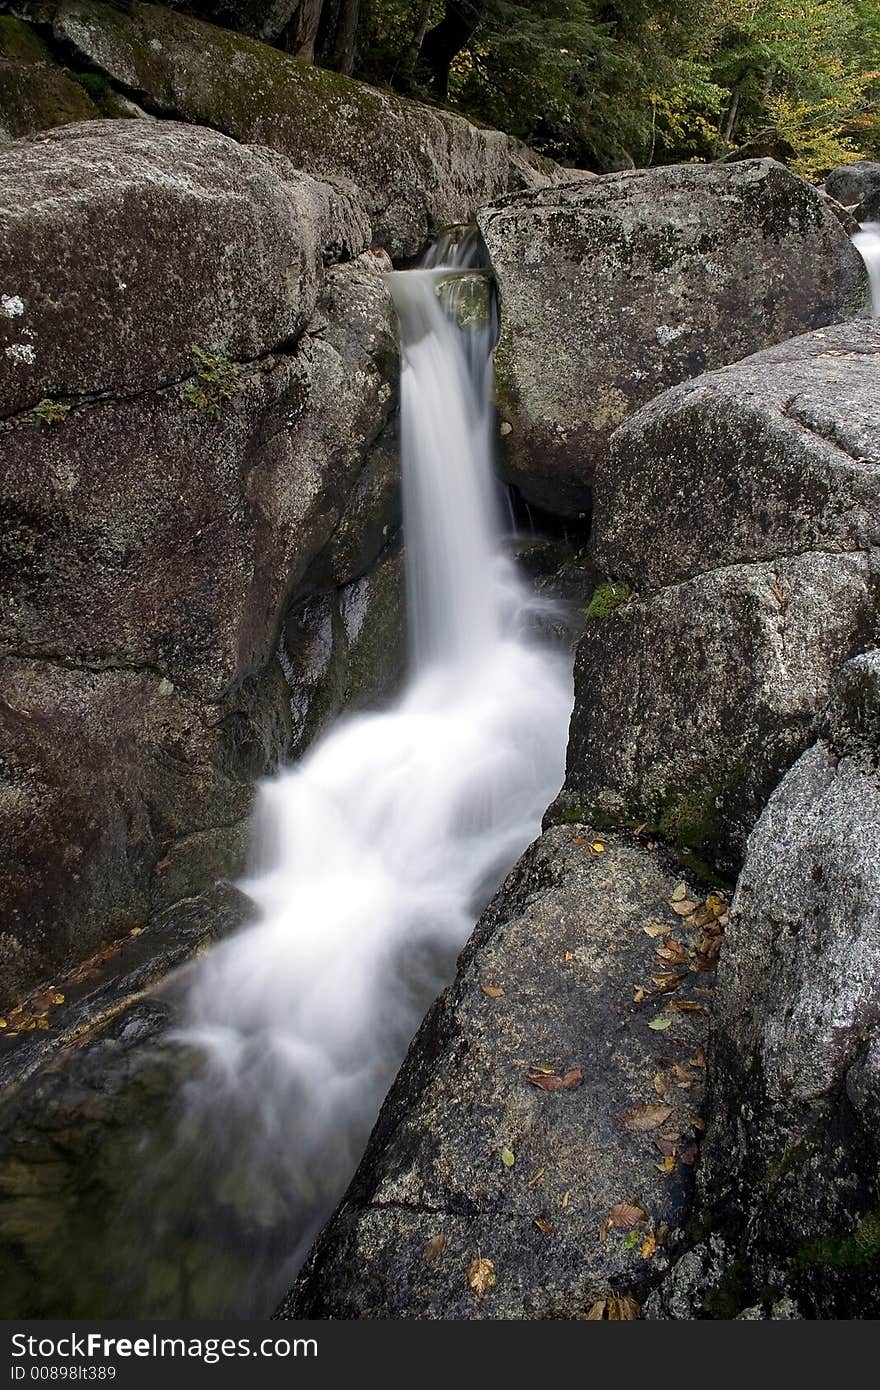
x=446, y=39
x=345, y=36
x=302, y=31
x=410, y=61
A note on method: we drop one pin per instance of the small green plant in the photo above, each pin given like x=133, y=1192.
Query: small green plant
x=216, y=381
x=605, y=599
x=49, y=412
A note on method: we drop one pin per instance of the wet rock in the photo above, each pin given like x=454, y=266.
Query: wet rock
x=470, y=1161
x=155, y=533
x=739, y=518
x=615, y=288
x=857, y=186
x=789, y=1181
x=418, y=168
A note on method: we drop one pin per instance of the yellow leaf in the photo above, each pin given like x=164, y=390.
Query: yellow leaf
x=493, y=991
x=481, y=1276
x=597, y=847
x=649, y=1247
x=507, y=1157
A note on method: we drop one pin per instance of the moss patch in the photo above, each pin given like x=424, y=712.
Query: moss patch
x=19, y=43
x=859, y=1248
x=216, y=381
x=606, y=597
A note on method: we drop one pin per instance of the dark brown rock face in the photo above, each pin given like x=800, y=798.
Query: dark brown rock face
x=739, y=518
x=469, y=1160
x=190, y=418
x=614, y=289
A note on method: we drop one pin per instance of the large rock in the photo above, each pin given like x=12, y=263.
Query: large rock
x=231, y=238
x=790, y=1175
x=857, y=186
x=34, y=92
x=156, y=531
x=469, y=1161
x=738, y=518
x=614, y=289
x=418, y=168
x=776, y=456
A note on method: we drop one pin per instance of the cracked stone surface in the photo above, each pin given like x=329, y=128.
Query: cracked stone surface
x=614, y=289
x=740, y=516
x=564, y=940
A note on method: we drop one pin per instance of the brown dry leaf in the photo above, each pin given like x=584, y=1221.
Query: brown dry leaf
x=778, y=592
x=553, y=1082
x=665, y=1146
x=696, y=1123
x=667, y=981
x=683, y=1077
x=644, y=1117
x=136, y=931
x=569, y=956
x=596, y=1313
x=698, y=1059
x=688, y=1006
x=685, y=907
x=662, y=1233
x=689, y=1154
x=624, y=1215
x=624, y=1309
x=565, y=1201
x=536, y=1177
x=679, y=892
x=493, y=991
x=668, y=1164
x=656, y=929
x=163, y=863
x=542, y=1069
x=661, y=1083
x=602, y=1231
x=434, y=1247
x=648, y=1247
x=545, y=1227
x=638, y=994
x=481, y=1276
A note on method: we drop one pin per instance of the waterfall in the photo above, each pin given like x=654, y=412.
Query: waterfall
x=376, y=852
x=867, y=241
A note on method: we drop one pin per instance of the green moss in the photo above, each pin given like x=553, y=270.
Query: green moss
x=19, y=43
x=730, y=1295
x=689, y=818
x=49, y=412
x=606, y=597
x=96, y=86
x=216, y=381
x=853, y=1251
x=36, y=97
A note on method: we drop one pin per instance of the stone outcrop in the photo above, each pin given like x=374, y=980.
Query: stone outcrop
x=737, y=518
x=614, y=289
x=788, y=1182
x=560, y=1190
x=857, y=186
x=175, y=478
x=417, y=168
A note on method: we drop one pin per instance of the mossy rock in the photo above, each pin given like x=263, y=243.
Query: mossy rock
x=606, y=597
x=34, y=98
x=19, y=43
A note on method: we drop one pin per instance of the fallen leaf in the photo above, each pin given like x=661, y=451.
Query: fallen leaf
x=569, y=956
x=3, y=1023
x=649, y=1247
x=625, y=1215
x=661, y=1083
x=679, y=892
x=668, y=1164
x=665, y=1146
x=553, y=1082
x=685, y=907
x=656, y=929
x=434, y=1247
x=565, y=1201
x=136, y=931
x=631, y=1240
x=689, y=1155
x=493, y=991
x=481, y=1276
x=163, y=863
x=667, y=981
x=536, y=1177
x=624, y=1309
x=660, y=1023
x=638, y=994
x=696, y=1123
x=597, y=848
x=687, y=1006
x=546, y=1227
x=507, y=1157
x=644, y=1117
x=544, y=1071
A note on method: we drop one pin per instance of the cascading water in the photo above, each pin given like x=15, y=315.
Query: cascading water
x=867, y=241
x=376, y=852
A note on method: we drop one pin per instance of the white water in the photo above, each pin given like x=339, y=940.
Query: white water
x=867, y=241
x=376, y=852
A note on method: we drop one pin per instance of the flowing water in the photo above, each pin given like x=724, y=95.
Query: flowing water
x=373, y=857
x=867, y=241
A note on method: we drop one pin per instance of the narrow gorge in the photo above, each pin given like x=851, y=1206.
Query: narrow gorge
x=439, y=704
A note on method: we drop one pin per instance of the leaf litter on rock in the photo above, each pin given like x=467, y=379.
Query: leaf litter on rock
x=551, y=1081
x=434, y=1247
x=613, y=1309
x=481, y=1276
x=642, y=1118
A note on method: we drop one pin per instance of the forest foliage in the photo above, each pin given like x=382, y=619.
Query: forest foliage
x=602, y=85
